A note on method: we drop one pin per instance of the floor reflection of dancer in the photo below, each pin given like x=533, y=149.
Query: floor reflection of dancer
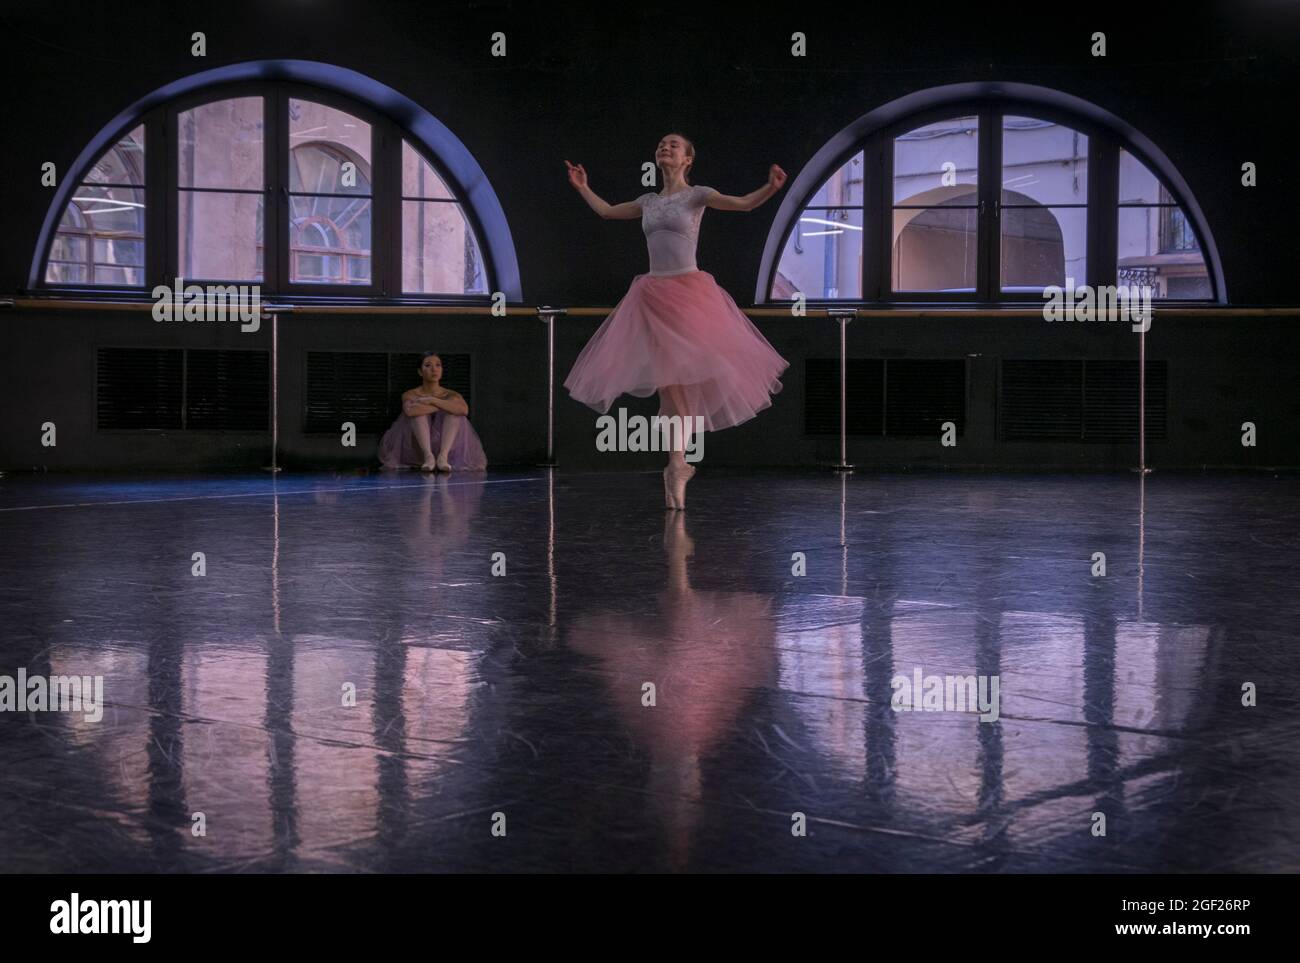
x=707, y=653
x=438, y=525
x=676, y=331
x=433, y=432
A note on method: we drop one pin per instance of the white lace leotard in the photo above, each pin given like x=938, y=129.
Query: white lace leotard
x=672, y=228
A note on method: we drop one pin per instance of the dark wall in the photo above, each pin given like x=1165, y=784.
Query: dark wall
x=1210, y=84
x=1221, y=372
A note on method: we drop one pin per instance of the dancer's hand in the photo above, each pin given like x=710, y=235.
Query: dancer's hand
x=775, y=177
x=577, y=175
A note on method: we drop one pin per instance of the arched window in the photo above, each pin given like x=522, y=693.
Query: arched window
x=986, y=194
x=100, y=238
x=309, y=190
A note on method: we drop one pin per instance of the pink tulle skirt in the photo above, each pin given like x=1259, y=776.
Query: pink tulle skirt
x=680, y=329
x=398, y=447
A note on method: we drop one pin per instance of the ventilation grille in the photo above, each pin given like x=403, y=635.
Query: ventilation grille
x=897, y=397
x=920, y=395
x=227, y=390
x=1042, y=401
x=864, y=411
x=173, y=389
x=139, y=388
x=1080, y=400
x=366, y=388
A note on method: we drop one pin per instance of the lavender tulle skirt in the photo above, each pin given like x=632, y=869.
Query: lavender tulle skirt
x=398, y=447
x=680, y=329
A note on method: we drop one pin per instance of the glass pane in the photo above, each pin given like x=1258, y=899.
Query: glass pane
x=932, y=162
x=1043, y=162
x=68, y=247
x=112, y=274
x=220, y=145
x=69, y=261
x=1137, y=185
x=123, y=164
x=843, y=188
x=1157, y=248
x=934, y=249
x=324, y=168
x=220, y=236
x=348, y=136
x=119, y=251
x=1043, y=246
x=419, y=179
x=100, y=239
x=66, y=273
x=109, y=210
x=329, y=240
x=823, y=257
x=440, y=254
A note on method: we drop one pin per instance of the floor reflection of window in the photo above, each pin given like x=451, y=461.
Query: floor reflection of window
x=335, y=760
x=937, y=753
x=1044, y=744
x=116, y=745
x=1158, y=682
x=819, y=645
x=437, y=687
x=226, y=749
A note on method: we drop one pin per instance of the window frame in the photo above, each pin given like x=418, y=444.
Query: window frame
x=1102, y=208
x=162, y=189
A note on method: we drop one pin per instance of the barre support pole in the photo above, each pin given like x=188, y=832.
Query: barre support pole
x=547, y=314
x=275, y=310
x=843, y=316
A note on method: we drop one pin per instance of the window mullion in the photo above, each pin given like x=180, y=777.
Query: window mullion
x=275, y=232
x=1103, y=210
x=171, y=214
x=989, y=223
x=885, y=236
x=386, y=194
x=873, y=170
x=155, y=199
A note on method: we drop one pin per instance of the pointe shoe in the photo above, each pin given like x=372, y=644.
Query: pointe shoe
x=430, y=464
x=443, y=464
x=676, y=483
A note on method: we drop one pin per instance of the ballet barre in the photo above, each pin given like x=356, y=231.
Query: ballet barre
x=1160, y=311
x=548, y=314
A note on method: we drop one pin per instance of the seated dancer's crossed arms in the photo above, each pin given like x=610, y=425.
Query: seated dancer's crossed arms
x=433, y=432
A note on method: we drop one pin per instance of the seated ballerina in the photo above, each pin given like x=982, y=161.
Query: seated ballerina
x=433, y=432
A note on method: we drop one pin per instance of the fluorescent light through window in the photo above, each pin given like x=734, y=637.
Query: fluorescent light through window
x=127, y=205
x=839, y=224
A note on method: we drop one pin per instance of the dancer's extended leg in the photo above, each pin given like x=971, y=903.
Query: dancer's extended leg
x=450, y=429
x=420, y=430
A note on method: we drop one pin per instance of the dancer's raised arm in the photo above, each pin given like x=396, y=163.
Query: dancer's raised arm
x=616, y=212
x=728, y=202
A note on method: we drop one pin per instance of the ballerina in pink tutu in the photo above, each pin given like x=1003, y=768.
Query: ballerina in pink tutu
x=433, y=432
x=676, y=331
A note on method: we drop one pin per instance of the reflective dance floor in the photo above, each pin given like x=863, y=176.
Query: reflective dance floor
x=525, y=671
